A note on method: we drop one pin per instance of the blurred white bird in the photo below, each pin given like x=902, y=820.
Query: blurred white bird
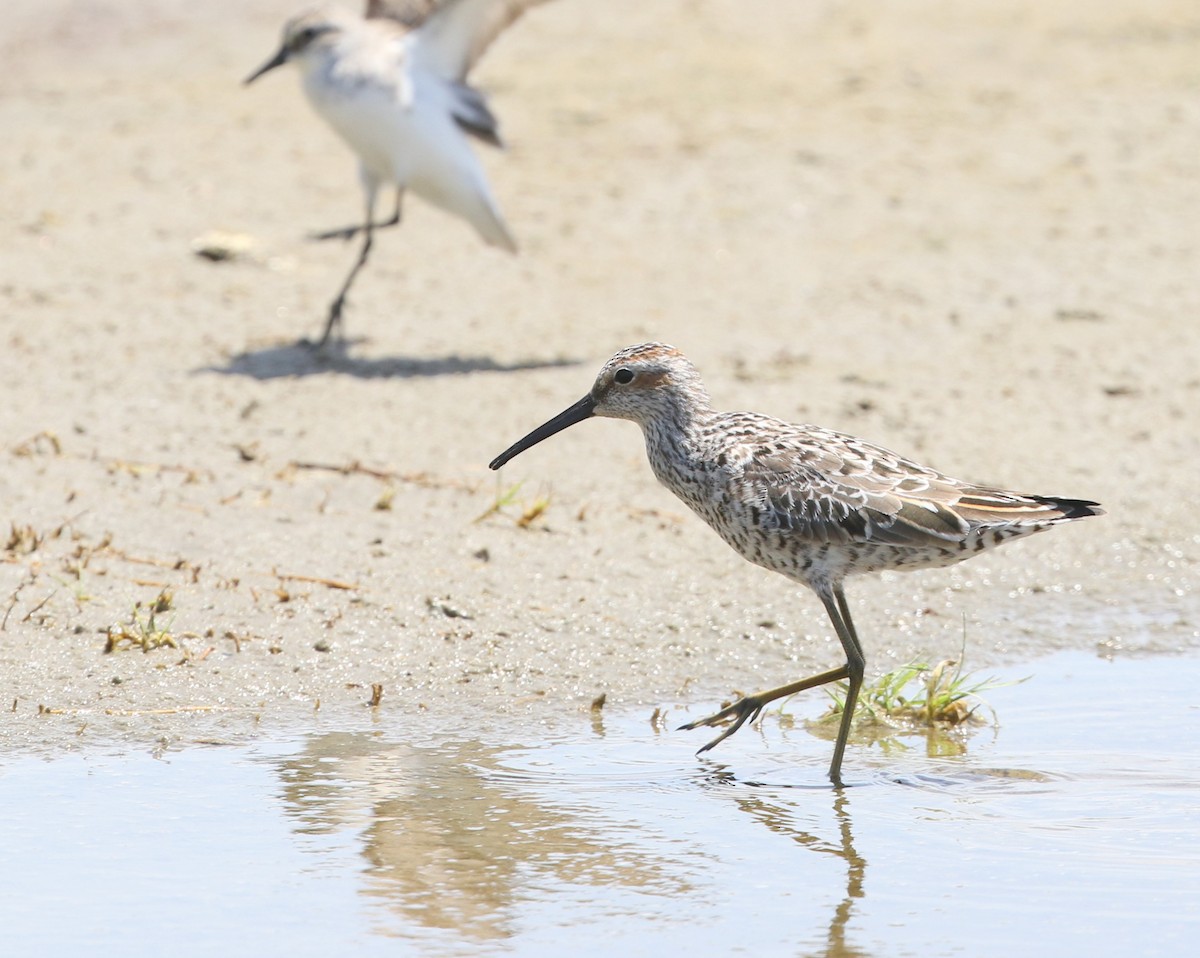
x=393, y=86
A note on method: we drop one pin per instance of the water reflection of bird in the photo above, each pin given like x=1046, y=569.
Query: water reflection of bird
x=781, y=820
x=452, y=836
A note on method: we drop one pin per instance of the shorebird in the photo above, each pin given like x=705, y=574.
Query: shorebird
x=393, y=86
x=811, y=503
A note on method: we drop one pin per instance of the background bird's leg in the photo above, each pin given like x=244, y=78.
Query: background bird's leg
x=395, y=220
x=349, y=232
x=335, y=308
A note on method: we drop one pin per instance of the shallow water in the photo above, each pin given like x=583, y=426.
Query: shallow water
x=1072, y=828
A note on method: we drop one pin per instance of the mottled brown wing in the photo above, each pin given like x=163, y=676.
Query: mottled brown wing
x=457, y=32
x=833, y=488
x=824, y=508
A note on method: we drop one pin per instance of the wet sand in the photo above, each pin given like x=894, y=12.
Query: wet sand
x=966, y=233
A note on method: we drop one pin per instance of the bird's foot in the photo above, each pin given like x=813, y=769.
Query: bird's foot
x=349, y=232
x=344, y=233
x=325, y=347
x=333, y=339
x=743, y=710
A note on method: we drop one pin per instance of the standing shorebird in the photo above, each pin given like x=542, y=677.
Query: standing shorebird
x=811, y=503
x=393, y=86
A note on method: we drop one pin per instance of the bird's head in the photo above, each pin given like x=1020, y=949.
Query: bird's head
x=305, y=35
x=648, y=383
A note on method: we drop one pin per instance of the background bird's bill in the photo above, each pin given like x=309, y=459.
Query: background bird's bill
x=584, y=409
x=280, y=58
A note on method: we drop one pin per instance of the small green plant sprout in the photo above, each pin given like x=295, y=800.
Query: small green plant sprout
x=143, y=630
x=531, y=511
x=920, y=694
x=76, y=586
x=917, y=699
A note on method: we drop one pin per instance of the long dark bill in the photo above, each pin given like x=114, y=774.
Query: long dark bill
x=278, y=60
x=568, y=417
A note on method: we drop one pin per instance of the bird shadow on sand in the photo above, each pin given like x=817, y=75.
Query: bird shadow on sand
x=294, y=360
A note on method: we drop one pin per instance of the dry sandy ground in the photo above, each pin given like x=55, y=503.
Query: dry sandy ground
x=965, y=231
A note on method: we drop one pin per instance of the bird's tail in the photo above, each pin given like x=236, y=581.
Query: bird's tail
x=1070, y=508
x=478, y=208
x=493, y=230
x=989, y=507
x=460, y=188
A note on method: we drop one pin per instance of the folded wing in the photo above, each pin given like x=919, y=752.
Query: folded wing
x=842, y=490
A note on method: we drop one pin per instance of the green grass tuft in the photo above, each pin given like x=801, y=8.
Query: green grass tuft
x=934, y=702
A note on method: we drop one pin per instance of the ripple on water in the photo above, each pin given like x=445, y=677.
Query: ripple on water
x=1075, y=817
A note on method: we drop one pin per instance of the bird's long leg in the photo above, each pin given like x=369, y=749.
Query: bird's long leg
x=335, y=308
x=349, y=232
x=371, y=189
x=749, y=708
x=856, y=664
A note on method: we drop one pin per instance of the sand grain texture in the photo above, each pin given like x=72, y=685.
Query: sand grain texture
x=967, y=232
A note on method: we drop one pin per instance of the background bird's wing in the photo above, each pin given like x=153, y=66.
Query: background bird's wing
x=410, y=13
x=473, y=115
x=457, y=32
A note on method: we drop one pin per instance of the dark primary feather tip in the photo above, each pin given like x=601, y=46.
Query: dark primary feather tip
x=1072, y=508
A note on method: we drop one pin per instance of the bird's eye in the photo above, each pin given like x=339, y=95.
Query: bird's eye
x=623, y=377
x=306, y=36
